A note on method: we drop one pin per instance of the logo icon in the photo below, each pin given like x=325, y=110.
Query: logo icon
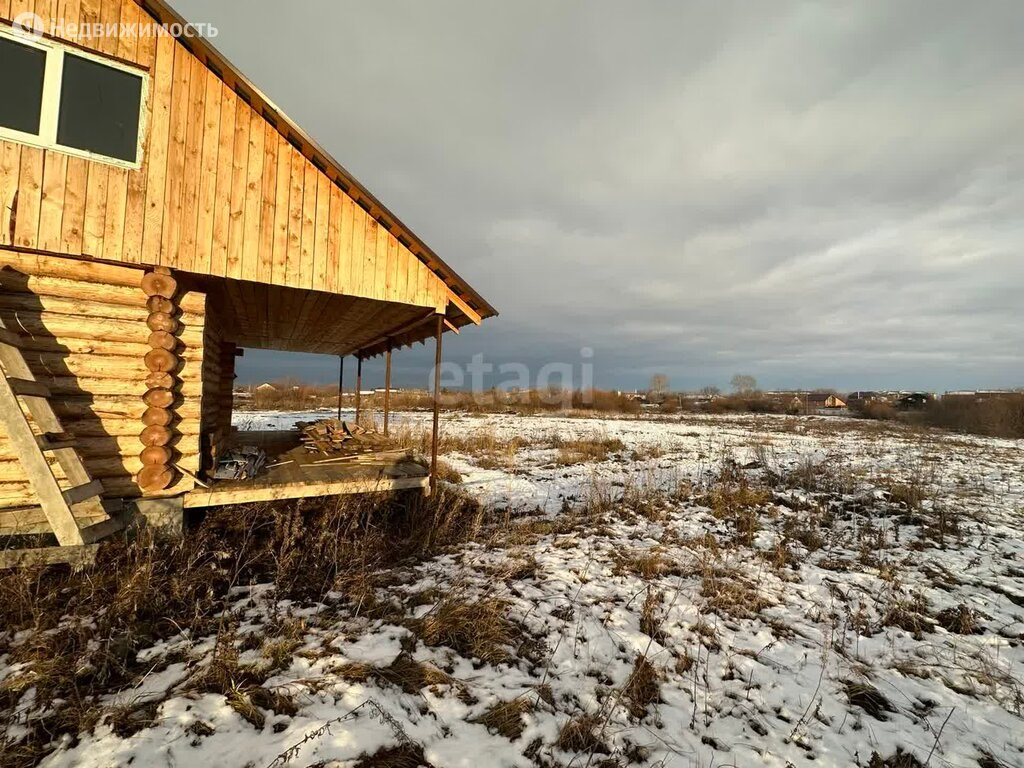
x=29, y=23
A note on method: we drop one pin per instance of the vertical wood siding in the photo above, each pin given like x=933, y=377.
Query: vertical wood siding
x=220, y=190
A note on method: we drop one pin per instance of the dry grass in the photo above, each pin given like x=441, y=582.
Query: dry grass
x=582, y=734
x=651, y=617
x=402, y=756
x=594, y=448
x=73, y=655
x=475, y=628
x=404, y=672
x=643, y=688
x=506, y=717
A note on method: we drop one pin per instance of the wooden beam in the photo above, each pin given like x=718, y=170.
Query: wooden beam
x=79, y=555
x=467, y=310
x=437, y=404
x=404, y=328
x=245, y=495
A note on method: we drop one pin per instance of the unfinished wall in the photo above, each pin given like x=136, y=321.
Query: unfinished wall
x=84, y=333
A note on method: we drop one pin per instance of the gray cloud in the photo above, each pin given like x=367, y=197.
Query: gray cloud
x=816, y=193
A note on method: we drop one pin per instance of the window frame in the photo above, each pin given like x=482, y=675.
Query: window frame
x=50, y=108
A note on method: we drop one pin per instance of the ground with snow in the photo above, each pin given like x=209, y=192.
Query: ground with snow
x=703, y=591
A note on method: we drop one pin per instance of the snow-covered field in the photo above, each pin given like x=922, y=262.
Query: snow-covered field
x=700, y=591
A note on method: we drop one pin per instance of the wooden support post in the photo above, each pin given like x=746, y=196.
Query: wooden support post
x=359, y=386
x=437, y=405
x=341, y=380
x=387, y=390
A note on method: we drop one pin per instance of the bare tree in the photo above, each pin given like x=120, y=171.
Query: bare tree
x=659, y=383
x=743, y=383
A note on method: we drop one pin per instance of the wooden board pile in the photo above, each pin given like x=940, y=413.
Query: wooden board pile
x=329, y=436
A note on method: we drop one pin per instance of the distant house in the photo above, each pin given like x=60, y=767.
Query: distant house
x=817, y=401
x=266, y=387
x=914, y=400
x=825, y=400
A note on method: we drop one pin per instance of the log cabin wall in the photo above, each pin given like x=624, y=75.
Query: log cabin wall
x=218, y=384
x=85, y=337
x=220, y=190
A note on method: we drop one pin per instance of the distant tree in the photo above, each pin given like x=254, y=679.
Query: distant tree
x=743, y=383
x=710, y=391
x=659, y=383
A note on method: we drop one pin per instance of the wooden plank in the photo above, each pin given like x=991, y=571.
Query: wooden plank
x=308, y=223
x=370, y=258
x=51, y=206
x=37, y=469
x=80, y=493
x=30, y=192
x=124, y=45
x=253, y=213
x=174, y=189
x=192, y=180
x=10, y=173
x=208, y=181
x=380, y=280
x=356, y=263
x=244, y=495
x=78, y=556
x=344, y=279
x=135, y=205
x=321, y=231
x=239, y=168
x=157, y=146
x=268, y=199
x=295, y=200
x=332, y=257
x=222, y=196
x=281, y=211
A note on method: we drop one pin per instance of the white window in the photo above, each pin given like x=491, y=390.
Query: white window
x=58, y=97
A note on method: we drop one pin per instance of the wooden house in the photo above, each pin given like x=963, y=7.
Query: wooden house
x=158, y=214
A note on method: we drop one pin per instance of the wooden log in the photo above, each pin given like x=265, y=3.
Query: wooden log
x=159, y=397
x=155, y=434
x=155, y=478
x=160, y=304
x=157, y=379
x=191, y=303
x=52, y=326
x=161, y=321
x=70, y=269
x=113, y=408
x=155, y=284
x=46, y=364
x=102, y=468
x=160, y=360
x=163, y=340
x=155, y=455
x=63, y=347
x=75, y=307
x=157, y=417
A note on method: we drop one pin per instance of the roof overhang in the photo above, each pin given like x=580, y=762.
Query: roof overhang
x=466, y=300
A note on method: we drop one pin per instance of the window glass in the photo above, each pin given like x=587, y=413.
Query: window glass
x=21, y=85
x=99, y=108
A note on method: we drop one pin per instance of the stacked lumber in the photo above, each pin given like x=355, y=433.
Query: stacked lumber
x=329, y=436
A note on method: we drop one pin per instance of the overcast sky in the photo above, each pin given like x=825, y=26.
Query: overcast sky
x=818, y=194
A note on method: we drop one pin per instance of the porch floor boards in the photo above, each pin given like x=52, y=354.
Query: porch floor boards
x=299, y=473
